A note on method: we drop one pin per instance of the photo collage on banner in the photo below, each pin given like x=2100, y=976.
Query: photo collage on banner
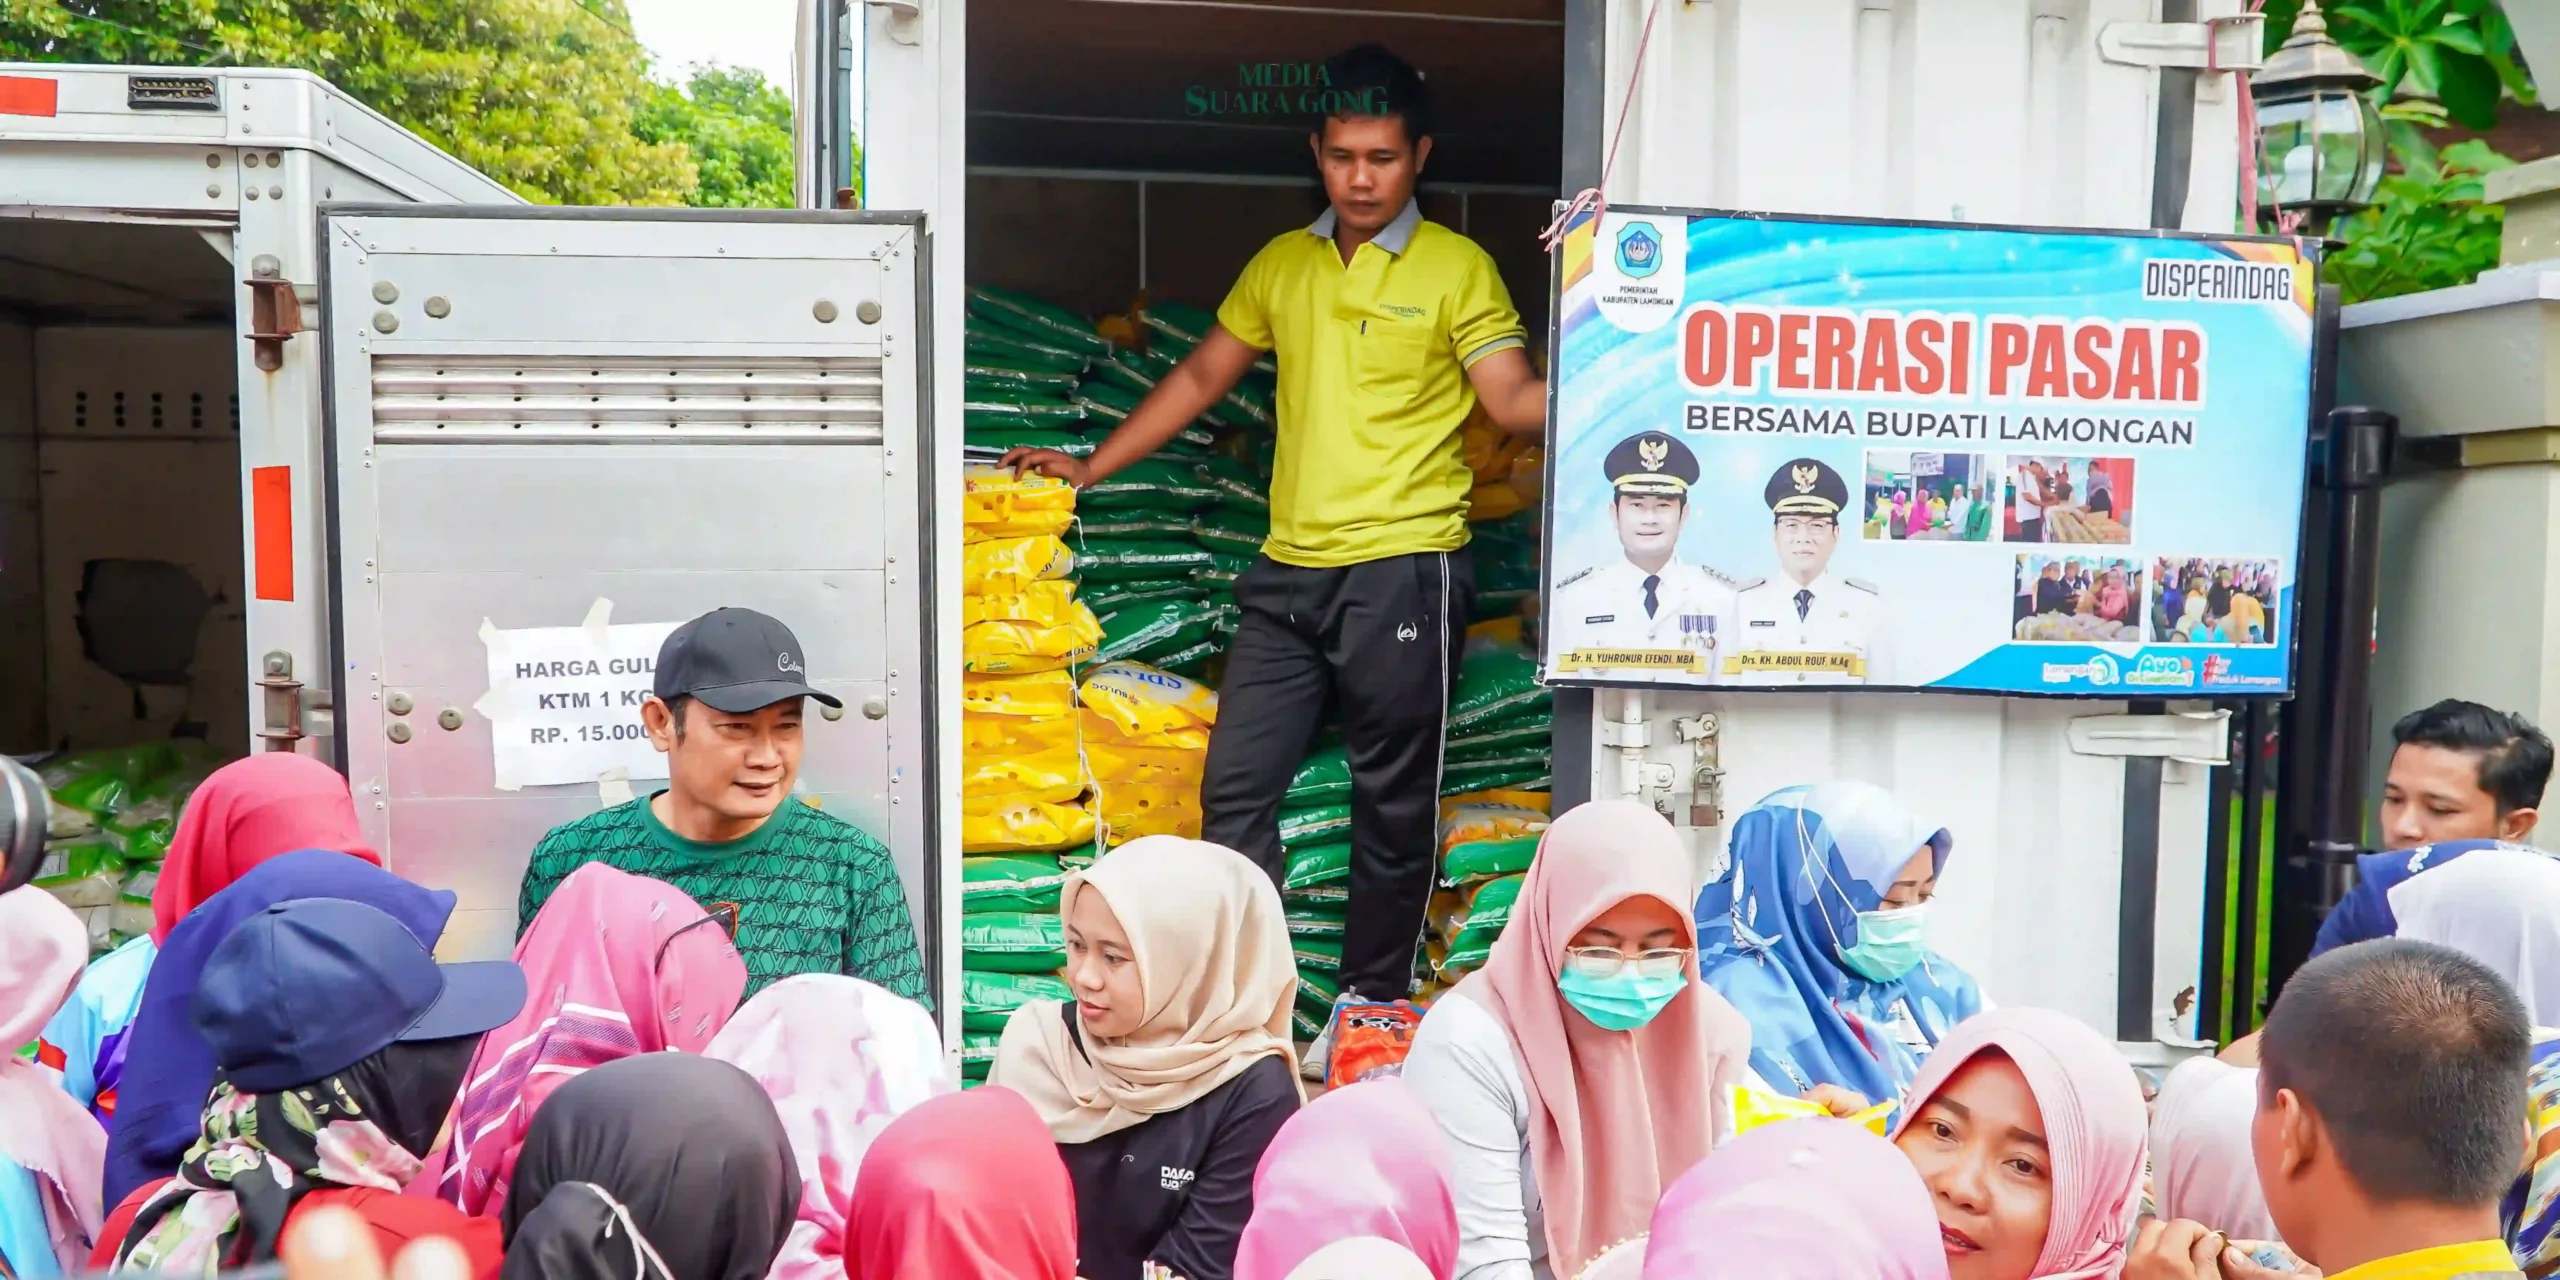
x=1820, y=454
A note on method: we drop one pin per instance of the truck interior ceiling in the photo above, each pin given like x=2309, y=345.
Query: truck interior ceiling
x=121, y=613
x=1121, y=149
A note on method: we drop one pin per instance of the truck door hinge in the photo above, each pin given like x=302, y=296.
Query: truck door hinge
x=275, y=312
x=280, y=698
x=2215, y=44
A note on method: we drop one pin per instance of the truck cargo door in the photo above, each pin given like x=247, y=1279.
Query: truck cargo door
x=553, y=435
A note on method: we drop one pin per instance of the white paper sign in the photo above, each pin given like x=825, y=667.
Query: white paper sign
x=564, y=702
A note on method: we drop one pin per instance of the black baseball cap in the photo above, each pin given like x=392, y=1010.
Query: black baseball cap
x=735, y=660
x=306, y=989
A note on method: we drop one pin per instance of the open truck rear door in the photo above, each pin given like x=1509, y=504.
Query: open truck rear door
x=553, y=434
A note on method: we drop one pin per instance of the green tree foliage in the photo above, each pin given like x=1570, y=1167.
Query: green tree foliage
x=2427, y=227
x=538, y=94
x=738, y=130
x=2461, y=53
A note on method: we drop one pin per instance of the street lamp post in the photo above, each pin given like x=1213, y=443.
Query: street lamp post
x=2320, y=141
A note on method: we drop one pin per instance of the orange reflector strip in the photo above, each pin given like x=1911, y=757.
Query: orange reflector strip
x=29, y=96
x=271, y=514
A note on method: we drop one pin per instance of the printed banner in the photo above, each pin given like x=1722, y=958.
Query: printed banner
x=1808, y=454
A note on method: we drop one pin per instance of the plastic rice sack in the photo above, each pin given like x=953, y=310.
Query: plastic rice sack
x=1322, y=897
x=101, y=791
x=1183, y=322
x=1140, y=700
x=1314, y=826
x=1459, y=779
x=1305, y=1025
x=1321, y=956
x=83, y=875
x=978, y=1053
x=1134, y=371
x=1252, y=403
x=1318, y=991
x=1233, y=533
x=1015, y=825
x=1048, y=693
x=1013, y=942
x=1130, y=810
x=1488, y=910
x=1001, y=438
x=1112, y=402
x=1011, y=882
x=1020, y=758
x=986, y=368
x=1077, y=859
x=1315, y=920
x=1048, y=603
x=1223, y=570
x=1046, y=321
x=1009, y=648
x=1495, y=681
x=1139, y=523
x=1236, y=484
x=1163, y=484
x=1323, y=778
x=996, y=503
x=1117, y=560
x=1538, y=731
x=1142, y=631
x=1534, y=801
x=1477, y=859
x=1312, y=865
x=1194, y=661
x=987, y=1000
x=1172, y=759
x=985, y=406
x=988, y=338
x=1471, y=823
x=1110, y=597
x=1530, y=755
x=1007, y=566
x=1752, y=1108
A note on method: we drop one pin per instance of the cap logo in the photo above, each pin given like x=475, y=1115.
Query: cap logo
x=1804, y=478
x=782, y=662
x=1653, y=452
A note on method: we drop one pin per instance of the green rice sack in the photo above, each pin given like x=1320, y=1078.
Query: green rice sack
x=1535, y=730
x=1522, y=756
x=1315, y=920
x=1163, y=484
x=1013, y=942
x=1318, y=825
x=1223, y=570
x=1318, y=991
x=1320, y=956
x=1193, y=663
x=1011, y=882
x=1137, y=371
x=996, y=374
x=1306, y=1025
x=1253, y=403
x=1077, y=859
x=1322, y=897
x=1137, y=522
x=1495, y=681
x=1047, y=321
x=1488, y=910
x=1112, y=596
x=1026, y=437
x=1322, y=778
x=978, y=1052
x=1186, y=323
x=985, y=406
x=1236, y=483
x=988, y=999
x=1311, y=865
x=1456, y=781
x=1148, y=630
x=1231, y=532
x=1100, y=560
x=1112, y=402
x=986, y=339
x=1478, y=859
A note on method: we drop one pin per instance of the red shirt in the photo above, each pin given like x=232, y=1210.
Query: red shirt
x=396, y=1220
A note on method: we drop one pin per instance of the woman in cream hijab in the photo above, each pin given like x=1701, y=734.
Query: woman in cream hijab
x=1171, y=1071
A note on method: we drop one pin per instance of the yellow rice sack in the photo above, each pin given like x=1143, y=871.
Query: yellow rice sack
x=1049, y=603
x=997, y=504
x=1006, y=566
x=1019, y=757
x=1004, y=648
x=1162, y=760
x=1024, y=825
x=1143, y=702
x=1469, y=823
x=1533, y=800
x=1130, y=810
x=1046, y=693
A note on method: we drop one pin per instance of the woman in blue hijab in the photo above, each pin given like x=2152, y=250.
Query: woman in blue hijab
x=168, y=1066
x=1817, y=932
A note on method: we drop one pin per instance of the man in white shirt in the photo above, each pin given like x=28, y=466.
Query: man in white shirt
x=2027, y=484
x=1647, y=600
x=1805, y=626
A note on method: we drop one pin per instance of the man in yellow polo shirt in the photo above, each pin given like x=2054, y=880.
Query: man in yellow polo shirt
x=1389, y=330
x=2391, y=1123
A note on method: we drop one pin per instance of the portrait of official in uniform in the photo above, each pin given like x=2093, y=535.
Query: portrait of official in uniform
x=1805, y=625
x=1647, y=599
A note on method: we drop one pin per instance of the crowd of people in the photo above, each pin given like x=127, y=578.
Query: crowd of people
x=619, y=1099
x=2215, y=602
x=1946, y=511
x=2081, y=588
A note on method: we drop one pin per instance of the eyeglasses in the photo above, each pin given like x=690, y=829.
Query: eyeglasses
x=1608, y=962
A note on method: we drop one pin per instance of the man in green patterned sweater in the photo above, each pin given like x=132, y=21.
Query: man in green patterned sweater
x=812, y=893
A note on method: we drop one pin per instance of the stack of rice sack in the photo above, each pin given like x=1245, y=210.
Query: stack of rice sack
x=114, y=812
x=1023, y=361
x=1499, y=722
x=1487, y=841
x=1023, y=782
x=1146, y=739
x=1315, y=841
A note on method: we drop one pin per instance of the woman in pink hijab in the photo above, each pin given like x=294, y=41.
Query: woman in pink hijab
x=841, y=1059
x=1362, y=1162
x=2029, y=1130
x=46, y=1139
x=1589, y=1032
x=615, y=965
x=1798, y=1200
x=244, y=813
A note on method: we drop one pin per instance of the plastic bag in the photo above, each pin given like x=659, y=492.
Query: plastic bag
x=1476, y=859
x=987, y=1000
x=1140, y=700
x=1495, y=681
x=1133, y=560
x=995, y=503
x=1049, y=693
x=1315, y=864
x=1231, y=532
x=1020, y=758
x=1023, y=825
x=1752, y=1108
x=1314, y=826
x=1142, y=631
x=1011, y=882
x=1370, y=1042
x=1047, y=321
x=1323, y=778
x=1163, y=484
x=1007, y=566
x=1013, y=942
x=1134, y=809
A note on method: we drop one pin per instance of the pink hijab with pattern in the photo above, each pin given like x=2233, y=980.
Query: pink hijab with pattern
x=841, y=1059
x=615, y=965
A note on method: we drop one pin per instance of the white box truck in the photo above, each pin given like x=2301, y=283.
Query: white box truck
x=362, y=428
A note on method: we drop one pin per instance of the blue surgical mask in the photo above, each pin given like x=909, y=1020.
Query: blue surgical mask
x=1623, y=1001
x=1890, y=943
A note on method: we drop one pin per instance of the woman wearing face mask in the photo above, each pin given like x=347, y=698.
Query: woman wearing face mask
x=341, y=1044
x=1167, y=1076
x=2028, y=1129
x=1818, y=933
x=1584, y=1067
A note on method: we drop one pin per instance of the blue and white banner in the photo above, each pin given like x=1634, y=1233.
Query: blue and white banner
x=1796, y=453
